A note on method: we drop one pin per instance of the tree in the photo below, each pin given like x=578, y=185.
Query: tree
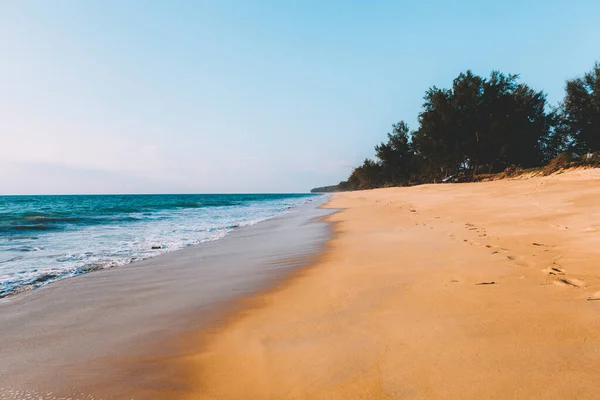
x=558, y=140
x=396, y=155
x=581, y=111
x=529, y=128
x=497, y=113
x=469, y=119
x=491, y=122
x=435, y=142
x=367, y=176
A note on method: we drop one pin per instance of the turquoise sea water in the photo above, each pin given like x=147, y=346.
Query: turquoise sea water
x=45, y=238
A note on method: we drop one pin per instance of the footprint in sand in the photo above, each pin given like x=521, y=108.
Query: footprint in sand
x=595, y=296
x=496, y=249
x=558, y=276
x=555, y=271
x=563, y=281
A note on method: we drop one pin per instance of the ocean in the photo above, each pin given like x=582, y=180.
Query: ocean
x=46, y=238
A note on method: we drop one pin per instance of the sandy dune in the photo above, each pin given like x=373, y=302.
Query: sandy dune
x=461, y=291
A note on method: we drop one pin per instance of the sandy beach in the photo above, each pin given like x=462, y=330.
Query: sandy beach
x=292, y=200
x=460, y=291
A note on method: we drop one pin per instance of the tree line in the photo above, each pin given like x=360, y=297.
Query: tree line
x=484, y=125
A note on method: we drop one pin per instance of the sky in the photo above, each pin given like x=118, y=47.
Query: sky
x=248, y=96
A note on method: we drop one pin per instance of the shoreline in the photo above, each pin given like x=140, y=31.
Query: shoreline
x=112, y=328
x=455, y=291
x=56, y=273
x=172, y=368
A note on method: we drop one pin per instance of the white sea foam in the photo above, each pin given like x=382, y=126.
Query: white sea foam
x=22, y=394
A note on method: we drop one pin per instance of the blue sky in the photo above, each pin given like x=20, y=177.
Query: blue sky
x=248, y=96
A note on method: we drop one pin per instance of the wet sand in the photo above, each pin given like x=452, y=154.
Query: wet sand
x=107, y=334
x=459, y=291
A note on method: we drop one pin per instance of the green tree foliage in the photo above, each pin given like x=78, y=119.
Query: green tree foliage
x=436, y=141
x=481, y=123
x=396, y=156
x=484, y=125
x=367, y=176
x=581, y=111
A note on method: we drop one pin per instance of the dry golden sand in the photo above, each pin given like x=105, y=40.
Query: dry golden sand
x=396, y=308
